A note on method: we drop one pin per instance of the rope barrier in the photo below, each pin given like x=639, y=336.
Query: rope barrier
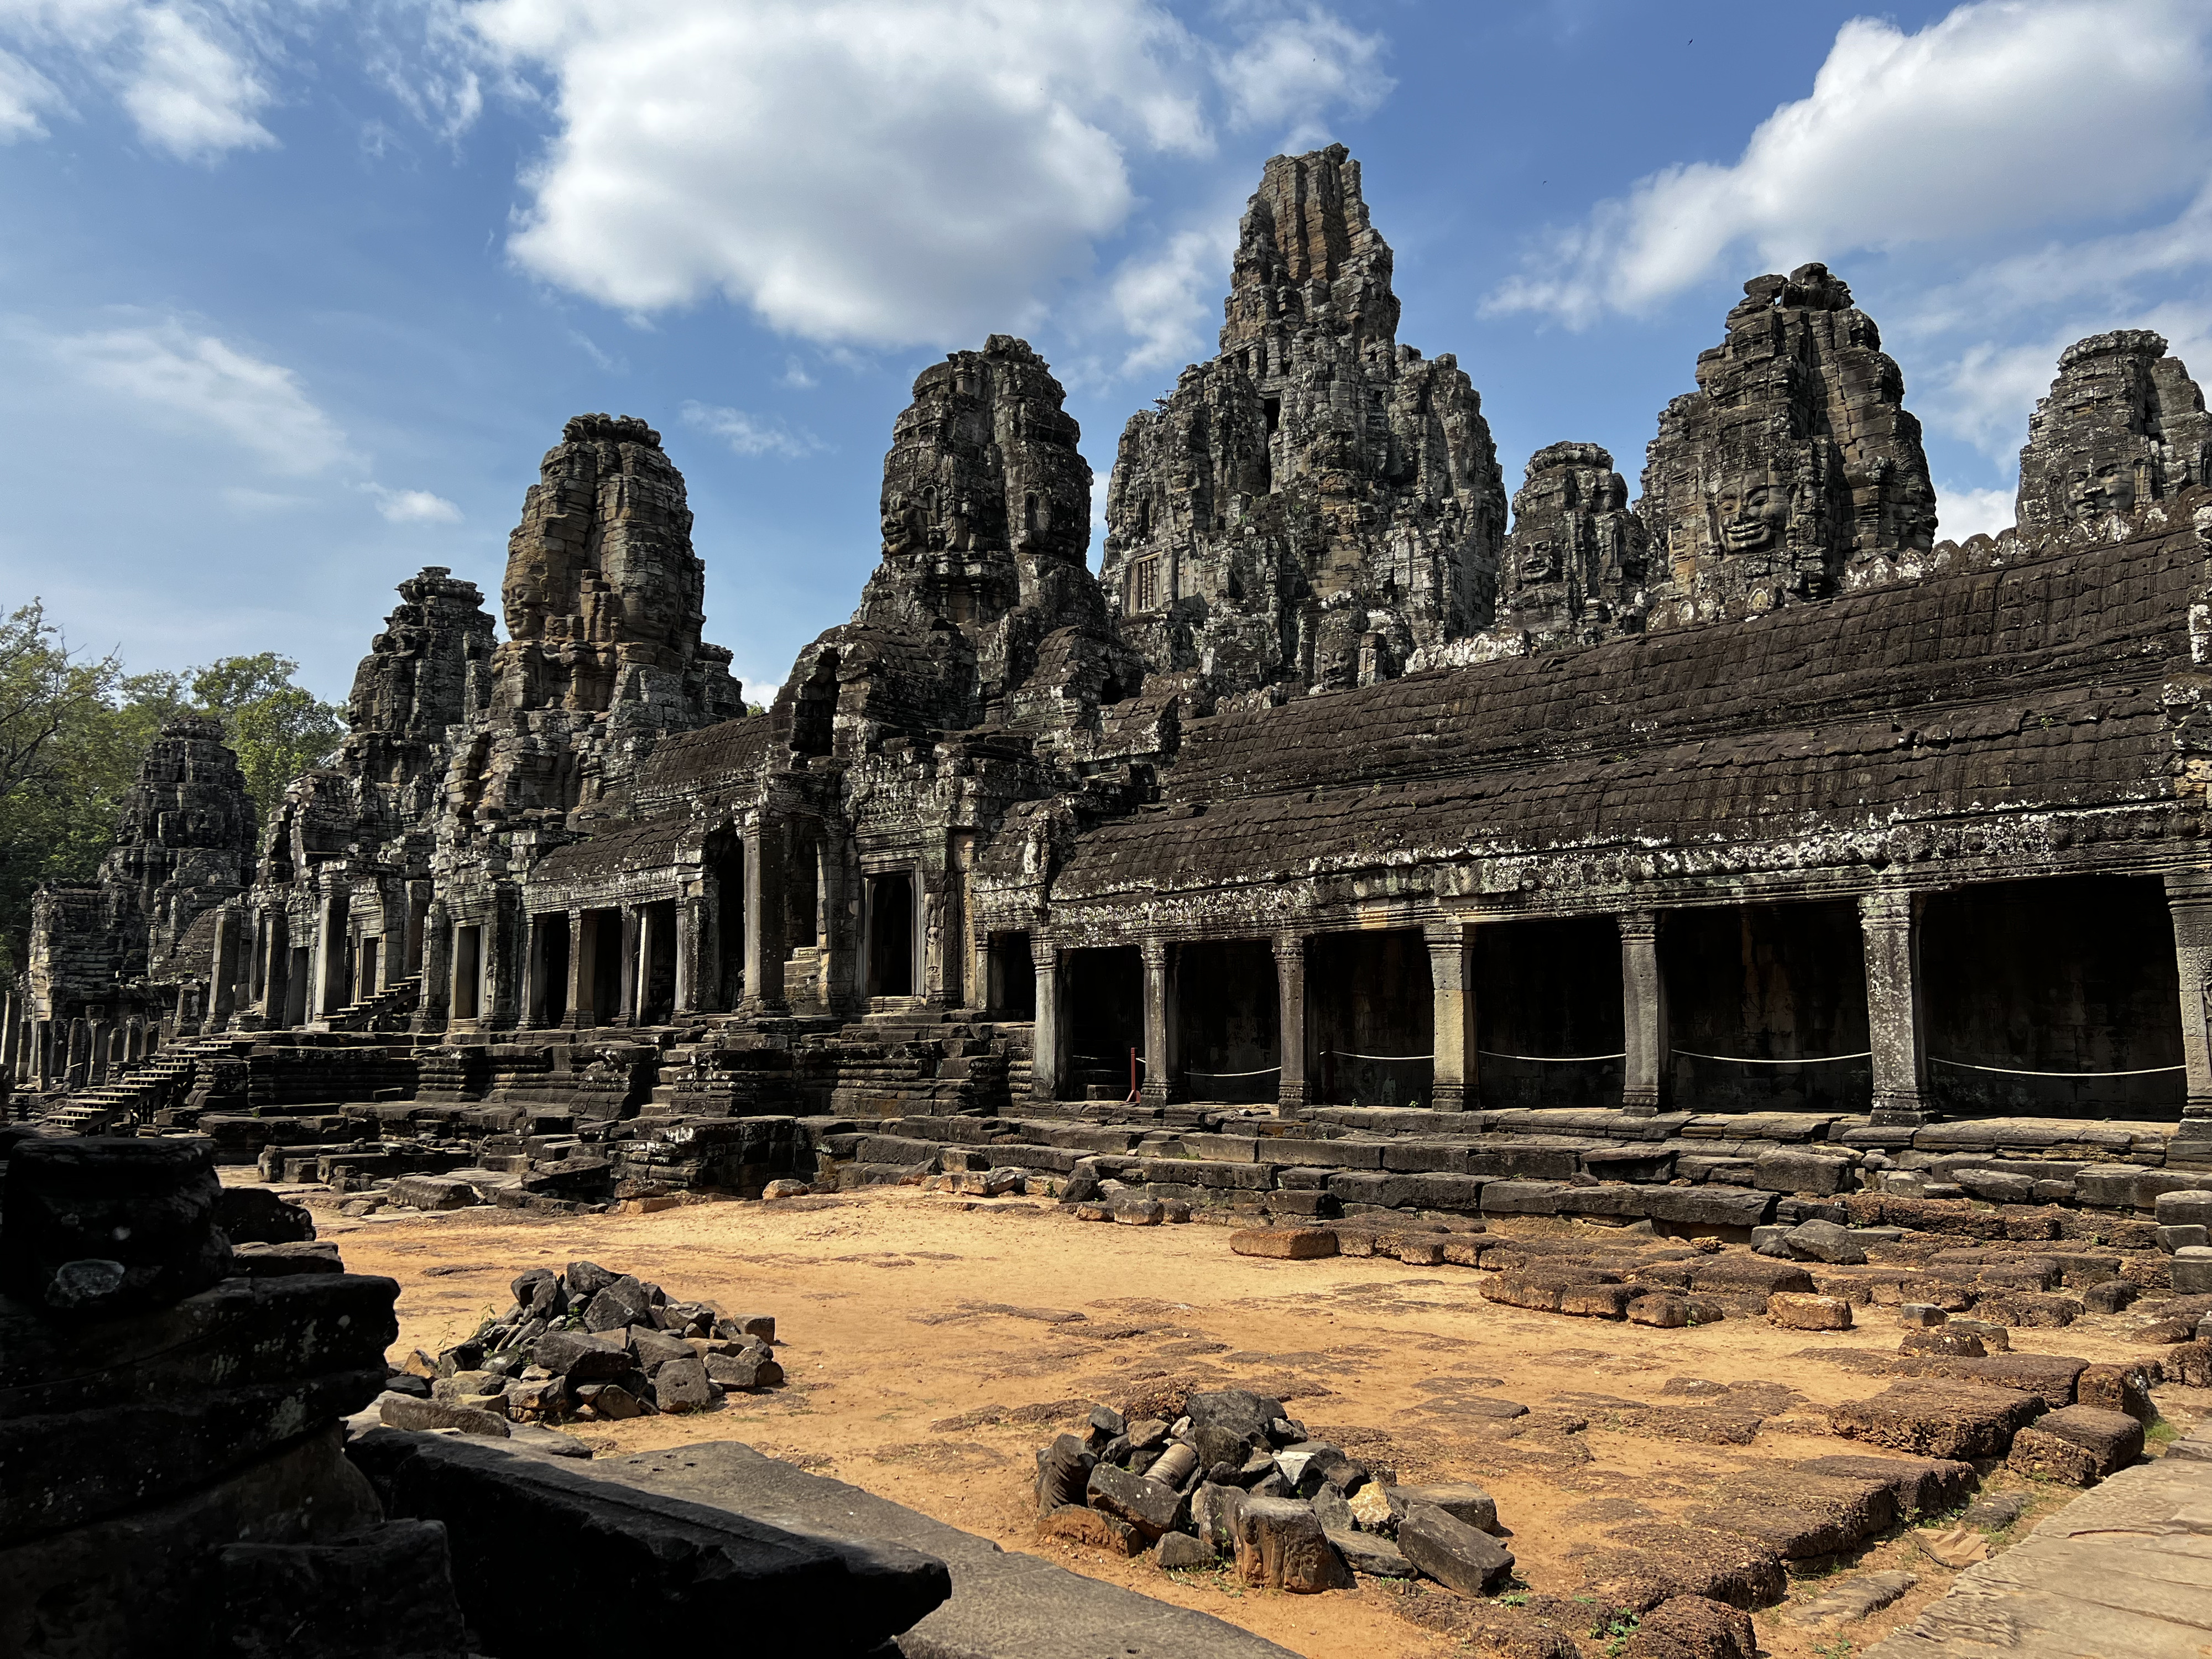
x=2012, y=1071
x=1347, y=1054
x=1548, y=1059
x=1265, y=1071
x=1745, y=1059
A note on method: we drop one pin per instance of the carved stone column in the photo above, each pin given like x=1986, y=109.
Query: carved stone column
x=1048, y=1037
x=1291, y=1022
x=1159, y=1019
x=1452, y=1086
x=276, y=967
x=1889, y=922
x=328, y=995
x=2189, y=898
x=765, y=951
x=579, y=1015
x=691, y=956
x=433, y=1012
x=1644, y=1015
x=633, y=934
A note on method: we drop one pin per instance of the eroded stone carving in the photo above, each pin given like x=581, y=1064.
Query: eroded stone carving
x=2122, y=427
x=1317, y=502
x=1793, y=471
x=1577, y=561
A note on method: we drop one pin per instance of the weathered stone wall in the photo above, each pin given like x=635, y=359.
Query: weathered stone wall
x=1318, y=502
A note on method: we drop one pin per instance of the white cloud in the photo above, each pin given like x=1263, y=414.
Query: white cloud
x=1166, y=299
x=1292, y=66
x=2000, y=117
x=1962, y=512
x=752, y=435
x=413, y=505
x=879, y=171
x=23, y=92
x=196, y=382
x=795, y=376
x=190, y=73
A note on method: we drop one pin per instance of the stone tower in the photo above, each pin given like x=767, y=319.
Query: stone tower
x=1576, y=564
x=985, y=517
x=1793, y=471
x=604, y=602
x=1318, y=501
x=2123, y=426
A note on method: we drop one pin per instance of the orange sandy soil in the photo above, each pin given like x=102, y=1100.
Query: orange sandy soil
x=897, y=1370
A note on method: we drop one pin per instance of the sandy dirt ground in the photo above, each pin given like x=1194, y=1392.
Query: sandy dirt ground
x=931, y=1346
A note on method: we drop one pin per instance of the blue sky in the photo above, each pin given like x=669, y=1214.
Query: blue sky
x=293, y=297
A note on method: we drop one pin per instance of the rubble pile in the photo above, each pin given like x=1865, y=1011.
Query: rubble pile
x=586, y=1343
x=1235, y=1476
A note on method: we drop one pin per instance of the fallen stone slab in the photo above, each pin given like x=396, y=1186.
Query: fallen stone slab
x=1075, y=1523
x=2077, y=1446
x=1939, y=1419
x=1795, y=1311
x=1464, y=1502
x=1851, y=1600
x=1004, y=1604
x=1802, y=1514
x=703, y=1572
x=1456, y=1555
x=1285, y=1243
x=424, y=1191
x=400, y=1411
x=1692, y=1627
x=1363, y=1551
x=2051, y=1378
x=1919, y=1485
x=1638, y=1567
x=2117, y=1571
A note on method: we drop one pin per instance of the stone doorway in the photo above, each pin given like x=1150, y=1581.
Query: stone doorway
x=1105, y=1018
x=1756, y=984
x=550, y=973
x=1371, y=1018
x=1012, y=987
x=1546, y=994
x=2074, y=975
x=1228, y=1018
x=891, y=934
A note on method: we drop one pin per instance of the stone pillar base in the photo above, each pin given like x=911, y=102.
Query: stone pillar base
x=763, y=1008
x=1292, y=1099
x=1450, y=1098
x=1639, y=1105
x=1892, y=1114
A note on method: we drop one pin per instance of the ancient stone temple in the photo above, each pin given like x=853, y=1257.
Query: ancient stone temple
x=1319, y=501
x=2123, y=427
x=1744, y=828
x=118, y=962
x=1577, y=562
x=1793, y=471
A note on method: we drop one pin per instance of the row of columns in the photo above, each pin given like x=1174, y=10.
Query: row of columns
x=1895, y=1018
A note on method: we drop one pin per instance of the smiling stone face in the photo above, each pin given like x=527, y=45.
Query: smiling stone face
x=2124, y=426
x=1751, y=514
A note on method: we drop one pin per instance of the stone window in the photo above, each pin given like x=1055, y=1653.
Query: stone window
x=1144, y=584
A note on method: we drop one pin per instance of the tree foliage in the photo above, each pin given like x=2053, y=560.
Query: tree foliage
x=73, y=730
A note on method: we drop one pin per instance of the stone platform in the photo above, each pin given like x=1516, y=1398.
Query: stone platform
x=1004, y=1605
x=2125, y=1569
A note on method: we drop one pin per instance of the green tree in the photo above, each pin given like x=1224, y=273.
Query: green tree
x=68, y=755
x=279, y=728
x=74, y=730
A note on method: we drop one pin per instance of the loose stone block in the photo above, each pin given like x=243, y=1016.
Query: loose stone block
x=2077, y=1446
x=1281, y=1546
x=1285, y=1243
x=1093, y=1528
x=1454, y=1554
x=1950, y=1421
x=1797, y=1312
x=1147, y=1506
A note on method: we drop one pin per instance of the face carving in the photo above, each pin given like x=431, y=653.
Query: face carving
x=2102, y=485
x=1540, y=563
x=1751, y=513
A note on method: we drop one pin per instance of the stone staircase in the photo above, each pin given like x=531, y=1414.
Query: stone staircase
x=904, y=1058
x=150, y=1086
x=386, y=1011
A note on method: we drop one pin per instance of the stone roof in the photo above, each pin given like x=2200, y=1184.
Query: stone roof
x=1961, y=698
